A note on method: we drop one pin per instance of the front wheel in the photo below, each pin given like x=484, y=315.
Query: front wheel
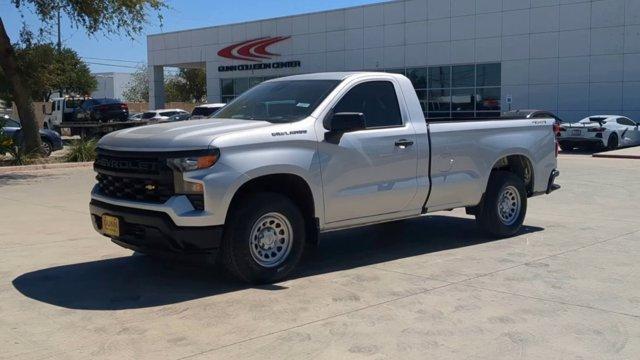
x=504, y=206
x=264, y=239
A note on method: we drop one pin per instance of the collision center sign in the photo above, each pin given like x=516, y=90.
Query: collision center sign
x=255, y=51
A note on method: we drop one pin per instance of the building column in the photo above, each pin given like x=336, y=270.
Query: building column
x=156, y=87
x=213, y=83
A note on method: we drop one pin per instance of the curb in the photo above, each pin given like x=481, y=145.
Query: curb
x=611, y=156
x=39, y=167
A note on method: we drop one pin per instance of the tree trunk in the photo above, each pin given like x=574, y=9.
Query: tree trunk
x=21, y=96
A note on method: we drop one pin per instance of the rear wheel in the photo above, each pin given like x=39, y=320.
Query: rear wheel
x=264, y=239
x=612, y=144
x=504, y=206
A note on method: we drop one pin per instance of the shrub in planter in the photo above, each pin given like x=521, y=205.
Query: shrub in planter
x=82, y=150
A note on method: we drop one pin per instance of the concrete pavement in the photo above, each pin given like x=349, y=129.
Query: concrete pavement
x=626, y=153
x=567, y=287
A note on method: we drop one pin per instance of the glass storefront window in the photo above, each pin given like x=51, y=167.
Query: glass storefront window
x=488, y=99
x=463, y=76
x=488, y=75
x=439, y=77
x=463, y=99
x=439, y=100
x=395, y=71
x=443, y=91
x=240, y=85
x=418, y=77
x=423, y=98
x=227, y=87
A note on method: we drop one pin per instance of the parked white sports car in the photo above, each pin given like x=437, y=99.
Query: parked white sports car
x=599, y=131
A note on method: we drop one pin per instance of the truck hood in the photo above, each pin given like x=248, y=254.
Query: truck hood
x=175, y=136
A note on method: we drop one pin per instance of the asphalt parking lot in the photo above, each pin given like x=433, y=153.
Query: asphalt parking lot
x=567, y=287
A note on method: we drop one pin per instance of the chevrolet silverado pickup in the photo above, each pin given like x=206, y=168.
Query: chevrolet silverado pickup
x=297, y=156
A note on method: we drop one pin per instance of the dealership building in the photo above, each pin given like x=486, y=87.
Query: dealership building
x=464, y=57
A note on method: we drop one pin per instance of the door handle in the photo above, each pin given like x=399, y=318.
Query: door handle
x=403, y=143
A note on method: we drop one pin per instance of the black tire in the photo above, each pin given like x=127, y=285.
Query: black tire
x=612, y=144
x=47, y=148
x=237, y=254
x=488, y=215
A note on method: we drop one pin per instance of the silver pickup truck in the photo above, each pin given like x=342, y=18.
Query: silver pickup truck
x=300, y=155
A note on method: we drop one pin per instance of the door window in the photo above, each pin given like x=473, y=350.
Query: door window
x=11, y=123
x=625, y=121
x=377, y=100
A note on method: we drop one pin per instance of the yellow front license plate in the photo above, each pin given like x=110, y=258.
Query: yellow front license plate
x=110, y=225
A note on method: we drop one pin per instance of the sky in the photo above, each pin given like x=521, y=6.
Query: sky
x=126, y=54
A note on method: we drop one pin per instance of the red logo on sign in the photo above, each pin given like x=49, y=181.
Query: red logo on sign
x=252, y=50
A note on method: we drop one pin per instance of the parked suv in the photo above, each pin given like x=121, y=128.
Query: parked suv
x=162, y=115
x=205, y=110
x=102, y=110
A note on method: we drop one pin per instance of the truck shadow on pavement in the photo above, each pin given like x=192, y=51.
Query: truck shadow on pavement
x=135, y=282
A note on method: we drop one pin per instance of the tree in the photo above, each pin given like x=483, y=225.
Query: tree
x=138, y=87
x=188, y=85
x=45, y=70
x=109, y=16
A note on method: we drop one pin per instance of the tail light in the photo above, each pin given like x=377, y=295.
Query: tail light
x=124, y=107
x=596, y=130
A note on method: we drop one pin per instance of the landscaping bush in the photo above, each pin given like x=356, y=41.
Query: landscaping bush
x=82, y=150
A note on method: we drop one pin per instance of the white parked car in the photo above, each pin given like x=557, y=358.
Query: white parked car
x=599, y=131
x=205, y=110
x=162, y=115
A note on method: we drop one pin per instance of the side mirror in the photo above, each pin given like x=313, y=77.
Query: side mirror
x=344, y=122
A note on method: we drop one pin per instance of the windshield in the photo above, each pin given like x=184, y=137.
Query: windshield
x=279, y=101
x=148, y=115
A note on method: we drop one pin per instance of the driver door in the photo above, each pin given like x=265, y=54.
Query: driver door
x=631, y=135
x=372, y=171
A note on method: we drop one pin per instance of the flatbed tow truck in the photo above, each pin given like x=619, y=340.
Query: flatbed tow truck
x=61, y=117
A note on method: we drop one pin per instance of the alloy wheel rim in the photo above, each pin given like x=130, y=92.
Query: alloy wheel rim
x=509, y=205
x=271, y=240
x=46, y=148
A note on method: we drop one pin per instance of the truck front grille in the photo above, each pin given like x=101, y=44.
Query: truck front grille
x=141, y=177
x=137, y=189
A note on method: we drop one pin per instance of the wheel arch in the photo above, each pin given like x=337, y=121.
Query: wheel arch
x=519, y=164
x=291, y=185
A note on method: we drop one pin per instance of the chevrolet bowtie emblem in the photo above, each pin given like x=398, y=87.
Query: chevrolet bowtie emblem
x=150, y=187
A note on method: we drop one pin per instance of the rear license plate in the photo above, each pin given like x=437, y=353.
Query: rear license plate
x=576, y=132
x=111, y=225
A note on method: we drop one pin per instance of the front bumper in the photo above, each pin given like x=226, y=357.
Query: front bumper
x=154, y=232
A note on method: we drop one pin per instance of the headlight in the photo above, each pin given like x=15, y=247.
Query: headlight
x=192, y=163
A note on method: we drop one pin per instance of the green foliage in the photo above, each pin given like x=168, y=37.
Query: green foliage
x=82, y=150
x=109, y=16
x=188, y=85
x=44, y=70
x=138, y=87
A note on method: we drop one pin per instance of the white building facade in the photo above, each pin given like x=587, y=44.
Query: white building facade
x=465, y=57
x=111, y=85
